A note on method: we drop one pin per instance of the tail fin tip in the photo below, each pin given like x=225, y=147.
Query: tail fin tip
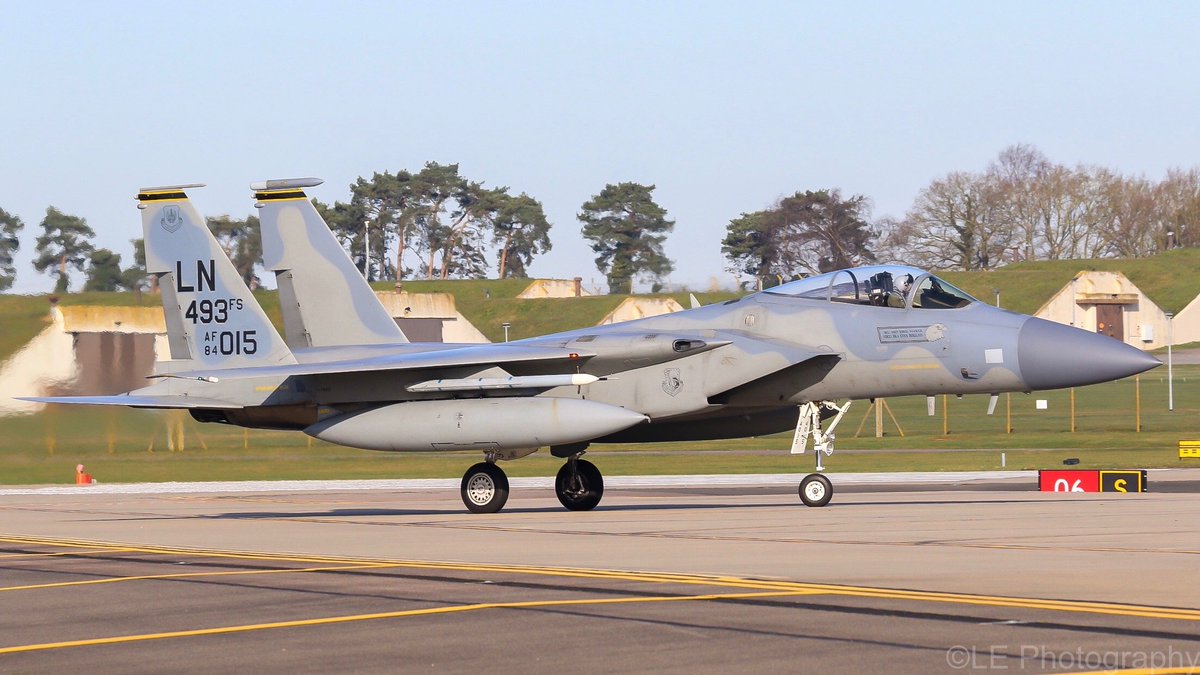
x=285, y=184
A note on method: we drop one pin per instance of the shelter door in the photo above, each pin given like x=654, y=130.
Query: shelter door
x=1110, y=321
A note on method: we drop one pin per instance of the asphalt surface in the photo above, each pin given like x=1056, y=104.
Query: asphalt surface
x=897, y=578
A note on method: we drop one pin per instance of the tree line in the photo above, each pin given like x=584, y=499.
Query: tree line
x=441, y=225
x=1026, y=207
x=1021, y=207
x=435, y=223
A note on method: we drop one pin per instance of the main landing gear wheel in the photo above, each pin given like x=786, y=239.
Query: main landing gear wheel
x=815, y=490
x=579, y=485
x=484, y=488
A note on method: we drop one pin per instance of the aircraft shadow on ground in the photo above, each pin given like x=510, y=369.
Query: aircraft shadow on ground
x=452, y=511
x=618, y=508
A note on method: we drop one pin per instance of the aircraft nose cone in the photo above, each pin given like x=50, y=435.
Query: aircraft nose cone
x=1054, y=356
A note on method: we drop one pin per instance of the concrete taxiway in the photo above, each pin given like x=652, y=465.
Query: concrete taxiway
x=969, y=573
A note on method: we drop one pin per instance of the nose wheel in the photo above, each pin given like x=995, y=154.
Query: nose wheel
x=484, y=488
x=579, y=485
x=816, y=490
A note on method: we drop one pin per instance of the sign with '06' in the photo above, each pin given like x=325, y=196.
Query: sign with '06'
x=1092, y=481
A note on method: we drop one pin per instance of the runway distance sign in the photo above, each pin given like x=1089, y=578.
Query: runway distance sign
x=1092, y=481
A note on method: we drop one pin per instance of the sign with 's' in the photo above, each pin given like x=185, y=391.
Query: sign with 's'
x=1092, y=481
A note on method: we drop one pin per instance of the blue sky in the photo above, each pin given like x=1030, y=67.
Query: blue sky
x=724, y=106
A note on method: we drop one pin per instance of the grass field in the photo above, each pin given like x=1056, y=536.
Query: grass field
x=120, y=445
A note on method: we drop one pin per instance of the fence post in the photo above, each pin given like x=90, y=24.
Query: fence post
x=1137, y=404
x=1072, y=409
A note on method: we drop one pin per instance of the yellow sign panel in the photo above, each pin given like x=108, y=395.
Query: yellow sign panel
x=1122, y=481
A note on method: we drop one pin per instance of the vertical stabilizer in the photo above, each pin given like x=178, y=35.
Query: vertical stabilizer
x=325, y=300
x=211, y=316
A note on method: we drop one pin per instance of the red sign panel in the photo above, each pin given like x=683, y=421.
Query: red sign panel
x=1069, y=481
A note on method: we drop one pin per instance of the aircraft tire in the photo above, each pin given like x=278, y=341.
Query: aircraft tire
x=581, y=489
x=484, y=488
x=815, y=490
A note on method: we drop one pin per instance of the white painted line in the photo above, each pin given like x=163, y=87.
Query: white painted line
x=418, y=484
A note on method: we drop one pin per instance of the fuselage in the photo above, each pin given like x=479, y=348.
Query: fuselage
x=775, y=350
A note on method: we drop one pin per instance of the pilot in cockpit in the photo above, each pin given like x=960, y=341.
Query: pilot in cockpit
x=903, y=284
x=886, y=291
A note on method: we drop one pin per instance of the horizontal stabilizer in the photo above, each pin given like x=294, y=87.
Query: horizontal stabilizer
x=491, y=355
x=137, y=401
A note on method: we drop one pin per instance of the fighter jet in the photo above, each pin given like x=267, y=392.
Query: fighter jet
x=761, y=364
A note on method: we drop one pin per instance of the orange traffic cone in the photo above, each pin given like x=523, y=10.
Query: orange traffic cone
x=82, y=478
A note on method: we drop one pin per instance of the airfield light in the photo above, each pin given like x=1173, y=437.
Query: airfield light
x=506, y=325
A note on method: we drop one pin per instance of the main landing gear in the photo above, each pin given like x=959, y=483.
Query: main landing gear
x=816, y=489
x=578, y=485
x=484, y=488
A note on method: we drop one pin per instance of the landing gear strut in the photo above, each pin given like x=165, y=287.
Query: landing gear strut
x=816, y=489
x=484, y=488
x=579, y=485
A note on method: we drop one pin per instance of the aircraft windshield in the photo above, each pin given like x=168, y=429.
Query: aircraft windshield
x=879, y=285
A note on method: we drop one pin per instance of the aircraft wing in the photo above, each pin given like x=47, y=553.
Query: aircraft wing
x=493, y=354
x=137, y=401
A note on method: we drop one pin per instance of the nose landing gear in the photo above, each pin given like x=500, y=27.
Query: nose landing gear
x=816, y=489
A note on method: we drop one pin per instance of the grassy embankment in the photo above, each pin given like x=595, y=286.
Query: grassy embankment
x=24, y=316
x=1024, y=287
x=489, y=303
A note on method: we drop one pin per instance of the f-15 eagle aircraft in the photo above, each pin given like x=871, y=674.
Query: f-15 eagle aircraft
x=761, y=364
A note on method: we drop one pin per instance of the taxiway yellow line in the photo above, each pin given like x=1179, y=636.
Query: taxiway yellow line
x=202, y=553
x=1080, y=606
x=192, y=575
x=531, y=604
x=56, y=554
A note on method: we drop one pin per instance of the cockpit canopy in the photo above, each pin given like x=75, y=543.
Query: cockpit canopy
x=896, y=286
